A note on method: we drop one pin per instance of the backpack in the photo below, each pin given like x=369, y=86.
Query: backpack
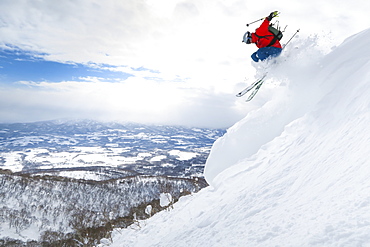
x=277, y=34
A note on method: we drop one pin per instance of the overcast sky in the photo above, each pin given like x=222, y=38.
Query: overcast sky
x=148, y=61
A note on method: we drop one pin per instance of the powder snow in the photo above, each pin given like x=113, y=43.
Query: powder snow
x=294, y=172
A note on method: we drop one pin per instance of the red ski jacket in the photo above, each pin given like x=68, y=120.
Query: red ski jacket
x=263, y=37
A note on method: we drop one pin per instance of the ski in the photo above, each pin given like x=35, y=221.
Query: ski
x=254, y=92
x=250, y=87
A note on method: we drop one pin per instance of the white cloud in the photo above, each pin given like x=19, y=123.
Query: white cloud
x=134, y=99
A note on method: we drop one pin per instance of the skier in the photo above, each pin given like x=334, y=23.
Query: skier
x=269, y=46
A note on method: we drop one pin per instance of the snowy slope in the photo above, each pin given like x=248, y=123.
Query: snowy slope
x=295, y=172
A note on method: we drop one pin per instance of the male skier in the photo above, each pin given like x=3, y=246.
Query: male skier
x=269, y=46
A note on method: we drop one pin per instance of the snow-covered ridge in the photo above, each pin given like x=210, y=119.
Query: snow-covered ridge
x=50, y=209
x=294, y=172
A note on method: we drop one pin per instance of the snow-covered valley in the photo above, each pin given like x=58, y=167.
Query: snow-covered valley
x=293, y=172
x=99, y=151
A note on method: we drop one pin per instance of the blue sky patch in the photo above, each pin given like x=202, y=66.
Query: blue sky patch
x=18, y=65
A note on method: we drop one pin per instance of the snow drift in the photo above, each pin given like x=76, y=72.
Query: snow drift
x=295, y=172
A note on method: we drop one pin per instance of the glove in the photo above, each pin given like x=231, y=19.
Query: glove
x=272, y=15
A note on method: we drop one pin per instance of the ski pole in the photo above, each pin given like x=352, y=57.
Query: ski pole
x=256, y=21
x=276, y=14
x=291, y=38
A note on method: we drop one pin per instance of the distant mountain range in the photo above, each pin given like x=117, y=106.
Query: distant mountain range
x=100, y=151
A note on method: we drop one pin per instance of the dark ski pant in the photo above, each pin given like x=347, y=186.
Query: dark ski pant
x=265, y=53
